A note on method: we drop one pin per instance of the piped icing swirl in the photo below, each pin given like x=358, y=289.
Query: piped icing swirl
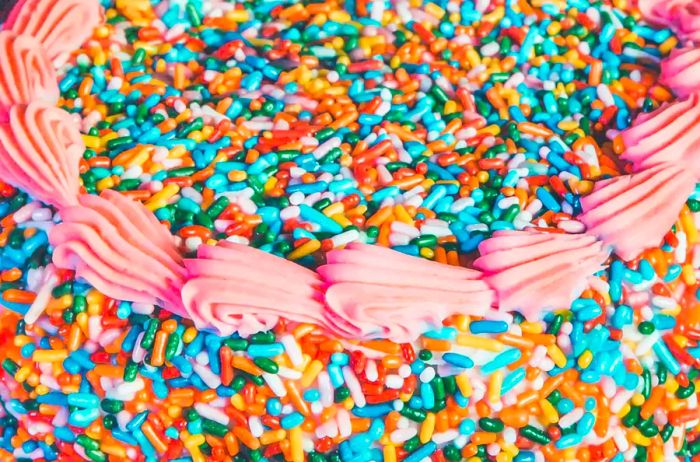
x=680, y=71
x=40, y=151
x=61, y=26
x=683, y=16
x=377, y=292
x=120, y=248
x=26, y=74
x=532, y=271
x=668, y=134
x=236, y=288
x=633, y=212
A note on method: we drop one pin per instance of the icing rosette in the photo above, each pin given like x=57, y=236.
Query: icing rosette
x=633, y=212
x=61, y=26
x=377, y=292
x=235, y=288
x=40, y=151
x=119, y=247
x=680, y=71
x=683, y=16
x=669, y=134
x=532, y=270
x=26, y=74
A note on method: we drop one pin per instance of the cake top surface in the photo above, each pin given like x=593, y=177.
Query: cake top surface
x=189, y=189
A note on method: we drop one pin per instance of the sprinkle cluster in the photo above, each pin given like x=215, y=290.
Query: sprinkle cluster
x=300, y=127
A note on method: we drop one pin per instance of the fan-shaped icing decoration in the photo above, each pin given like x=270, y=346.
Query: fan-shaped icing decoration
x=680, y=71
x=689, y=21
x=669, y=134
x=377, y=292
x=236, y=288
x=533, y=271
x=659, y=11
x=40, y=150
x=633, y=212
x=118, y=246
x=683, y=16
x=26, y=74
x=61, y=26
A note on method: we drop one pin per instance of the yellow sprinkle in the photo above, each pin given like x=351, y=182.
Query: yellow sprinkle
x=637, y=399
x=428, y=253
x=92, y=142
x=311, y=372
x=334, y=209
x=305, y=249
x=427, y=428
x=568, y=125
x=49, y=356
x=296, y=446
x=273, y=436
x=160, y=199
x=464, y=385
x=549, y=413
x=480, y=343
x=637, y=438
x=557, y=355
x=495, y=385
x=389, y=453
x=238, y=402
x=529, y=327
x=22, y=374
x=189, y=335
x=585, y=359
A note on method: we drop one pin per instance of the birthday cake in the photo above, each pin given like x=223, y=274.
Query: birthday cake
x=350, y=231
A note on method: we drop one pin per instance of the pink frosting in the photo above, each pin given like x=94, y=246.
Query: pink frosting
x=119, y=247
x=669, y=134
x=634, y=212
x=533, y=271
x=236, y=288
x=60, y=25
x=26, y=74
x=40, y=150
x=377, y=292
x=680, y=71
x=681, y=15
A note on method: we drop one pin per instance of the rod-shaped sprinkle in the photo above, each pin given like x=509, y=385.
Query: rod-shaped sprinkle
x=532, y=271
x=40, y=151
x=633, y=212
x=377, y=292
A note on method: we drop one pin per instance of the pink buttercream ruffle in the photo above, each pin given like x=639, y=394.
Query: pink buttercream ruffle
x=119, y=247
x=40, y=151
x=680, y=71
x=683, y=16
x=26, y=74
x=61, y=26
x=532, y=271
x=633, y=212
x=236, y=288
x=669, y=134
x=374, y=292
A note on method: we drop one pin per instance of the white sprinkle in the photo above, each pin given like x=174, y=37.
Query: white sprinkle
x=354, y=386
x=212, y=413
x=275, y=383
